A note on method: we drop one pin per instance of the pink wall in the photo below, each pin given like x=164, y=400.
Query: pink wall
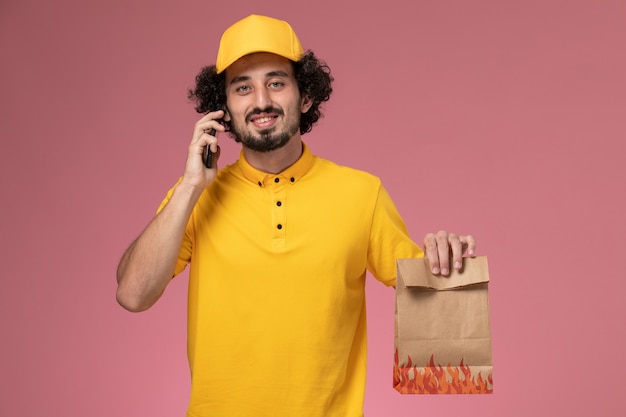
x=499, y=118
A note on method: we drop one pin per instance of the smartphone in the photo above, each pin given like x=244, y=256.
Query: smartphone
x=207, y=155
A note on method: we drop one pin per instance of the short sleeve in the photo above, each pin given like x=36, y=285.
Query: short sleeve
x=389, y=240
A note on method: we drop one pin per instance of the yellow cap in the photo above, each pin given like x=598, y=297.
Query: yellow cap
x=257, y=34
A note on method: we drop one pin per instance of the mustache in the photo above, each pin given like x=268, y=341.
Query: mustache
x=265, y=110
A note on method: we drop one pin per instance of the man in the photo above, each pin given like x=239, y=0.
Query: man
x=278, y=243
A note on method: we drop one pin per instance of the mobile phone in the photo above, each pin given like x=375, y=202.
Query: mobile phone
x=207, y=155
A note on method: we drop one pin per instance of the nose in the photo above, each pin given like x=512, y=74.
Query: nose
x=262, y=98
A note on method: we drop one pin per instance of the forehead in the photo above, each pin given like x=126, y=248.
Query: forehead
x=258, y=65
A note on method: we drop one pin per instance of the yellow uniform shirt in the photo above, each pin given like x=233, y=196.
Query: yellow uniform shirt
x=276, y=320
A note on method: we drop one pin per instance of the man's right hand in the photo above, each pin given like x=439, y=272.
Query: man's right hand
x=196, y=174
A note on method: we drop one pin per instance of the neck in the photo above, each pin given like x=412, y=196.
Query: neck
x=277, y=160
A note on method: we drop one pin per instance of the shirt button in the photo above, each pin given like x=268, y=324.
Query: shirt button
x=280, y=226
x=292, y=179
x=276, y=179
x=260, y=184
x=278, y=203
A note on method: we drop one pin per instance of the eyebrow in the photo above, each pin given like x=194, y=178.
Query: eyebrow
x=270, y=74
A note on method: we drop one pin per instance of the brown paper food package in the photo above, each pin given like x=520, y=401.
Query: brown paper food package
x=442, y=331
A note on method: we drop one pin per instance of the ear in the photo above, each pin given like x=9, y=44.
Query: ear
x=306, y=104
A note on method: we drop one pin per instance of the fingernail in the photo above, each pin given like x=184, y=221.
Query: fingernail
x=435, y=270
x=444, y=271
x=471, y=252
x=457, y=265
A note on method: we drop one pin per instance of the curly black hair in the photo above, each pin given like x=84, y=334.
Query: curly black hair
x=312, y=74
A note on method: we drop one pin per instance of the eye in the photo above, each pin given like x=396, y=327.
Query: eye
x=276, y=84
x=243, y=89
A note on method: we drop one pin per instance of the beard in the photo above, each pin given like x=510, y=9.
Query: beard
x=268, y=139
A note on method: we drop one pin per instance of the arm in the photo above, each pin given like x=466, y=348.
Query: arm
x=148, y=264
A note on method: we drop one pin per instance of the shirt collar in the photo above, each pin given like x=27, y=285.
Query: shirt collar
x=291, y=174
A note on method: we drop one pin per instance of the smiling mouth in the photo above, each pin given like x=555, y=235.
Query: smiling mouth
x=264, y=115
x=264, y=119
x=263, y=122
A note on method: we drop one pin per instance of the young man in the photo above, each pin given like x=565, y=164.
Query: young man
x=278, y=243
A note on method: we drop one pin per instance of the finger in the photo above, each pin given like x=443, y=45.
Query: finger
x=214, y=158
x=430, y=248
x=210, y=138
x=456, y=247
x=469, y=245
x=443, y=251
x=212, y=115
x=209, y=121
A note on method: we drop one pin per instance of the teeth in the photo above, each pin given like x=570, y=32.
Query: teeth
x=264, y=119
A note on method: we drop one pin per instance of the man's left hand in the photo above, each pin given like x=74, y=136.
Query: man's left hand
x=441, y=246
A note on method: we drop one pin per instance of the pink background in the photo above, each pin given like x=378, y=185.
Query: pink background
x=504, y=119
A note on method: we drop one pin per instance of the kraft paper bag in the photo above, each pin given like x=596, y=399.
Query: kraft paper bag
x=442, y=331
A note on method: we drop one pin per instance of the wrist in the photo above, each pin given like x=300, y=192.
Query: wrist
x=189, y=189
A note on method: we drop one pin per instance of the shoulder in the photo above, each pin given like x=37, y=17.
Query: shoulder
x=345, y=174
